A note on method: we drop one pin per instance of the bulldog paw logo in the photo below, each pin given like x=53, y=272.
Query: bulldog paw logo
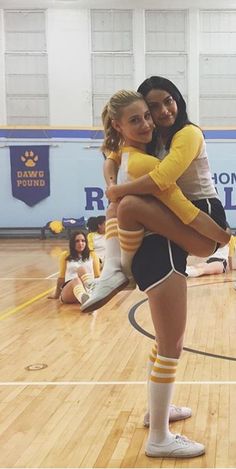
x=29, y=158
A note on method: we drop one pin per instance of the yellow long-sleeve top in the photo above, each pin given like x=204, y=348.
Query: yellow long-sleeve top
x=68, y=269
x=186, y=163
x=232, y=246
x=134, y=163
x=96, y=242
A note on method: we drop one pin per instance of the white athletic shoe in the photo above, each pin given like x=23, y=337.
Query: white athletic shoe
x=176, y=413
x=104, y=290
x=84, y=297
x=179, y=447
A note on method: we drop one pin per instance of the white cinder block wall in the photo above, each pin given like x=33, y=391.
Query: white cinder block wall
x=93, y=48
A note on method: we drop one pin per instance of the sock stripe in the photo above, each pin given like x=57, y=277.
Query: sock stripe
x=152, y=358
x=129, y=248
x=167, y=371
x=111, y=234
x=86, y=276
x=130, y=234
x=111, y=222
x=87, y=280
x=130, y=240
x=166, y=361
x=78, y=289
x=111, y=230
x=153, y=354
x=110, y=226
x=164, y=370
x=165, y=367
x=162, y=380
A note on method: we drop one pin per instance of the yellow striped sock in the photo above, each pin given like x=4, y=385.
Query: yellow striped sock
x=129, y=244
x=130, y=240
x=78, y=291
x=111, y=230
x=87, y=280
x=164, y=370
x=153, y=353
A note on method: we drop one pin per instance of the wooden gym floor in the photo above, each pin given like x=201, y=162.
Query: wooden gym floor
x=72, y=385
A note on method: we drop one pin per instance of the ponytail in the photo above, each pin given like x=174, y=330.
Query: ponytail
x=113, y=140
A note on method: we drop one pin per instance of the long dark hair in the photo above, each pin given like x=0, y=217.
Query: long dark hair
x=161, y=83
x=73, y=255
x=92, y=224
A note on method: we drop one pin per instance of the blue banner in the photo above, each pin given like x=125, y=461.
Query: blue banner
x=30, y=173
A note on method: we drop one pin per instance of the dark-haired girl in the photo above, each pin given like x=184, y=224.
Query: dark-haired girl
x=159, y=265
x=78, y=268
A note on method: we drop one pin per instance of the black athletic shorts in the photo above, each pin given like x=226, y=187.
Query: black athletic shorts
x=158, y=257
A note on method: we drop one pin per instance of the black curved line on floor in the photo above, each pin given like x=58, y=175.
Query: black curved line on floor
x=133, y=322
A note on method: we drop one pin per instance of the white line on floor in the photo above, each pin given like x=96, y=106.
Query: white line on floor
x=102, y=383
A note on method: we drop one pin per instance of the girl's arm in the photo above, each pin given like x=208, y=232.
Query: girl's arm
x=110, y=170
x=186, y=145
x=174, y=199
x=57, y=292
x=210, y=229
x=143, y=185
x=61, y=276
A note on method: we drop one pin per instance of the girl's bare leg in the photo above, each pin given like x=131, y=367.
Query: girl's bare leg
x=112, y=279
x=135, y=212
x=86, y=276
x=73, y=292
x=169, y=312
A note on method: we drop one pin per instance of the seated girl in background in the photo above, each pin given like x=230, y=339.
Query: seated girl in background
x=78, y=268
x=215, y=264
x=96, y=236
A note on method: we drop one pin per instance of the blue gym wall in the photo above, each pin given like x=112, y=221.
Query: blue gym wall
x=76, y=175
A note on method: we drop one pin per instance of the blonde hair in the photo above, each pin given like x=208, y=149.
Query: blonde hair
x=113, y=111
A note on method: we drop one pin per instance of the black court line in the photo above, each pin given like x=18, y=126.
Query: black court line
x=133, y=322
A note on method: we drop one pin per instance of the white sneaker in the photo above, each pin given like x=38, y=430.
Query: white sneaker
x=176, y=413
x=104, y=290
x=179, y=447
x=84, y=297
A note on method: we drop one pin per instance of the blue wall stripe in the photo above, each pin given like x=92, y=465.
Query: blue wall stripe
x=92, y=133
x=51, y=133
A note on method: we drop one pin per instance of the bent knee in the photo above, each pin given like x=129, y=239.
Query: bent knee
x=206, y=248
x=111, y=211
x=128, y=204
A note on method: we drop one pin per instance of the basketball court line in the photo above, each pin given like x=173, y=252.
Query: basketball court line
x=6, y=314
x=50, y=277
x=106, y=383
